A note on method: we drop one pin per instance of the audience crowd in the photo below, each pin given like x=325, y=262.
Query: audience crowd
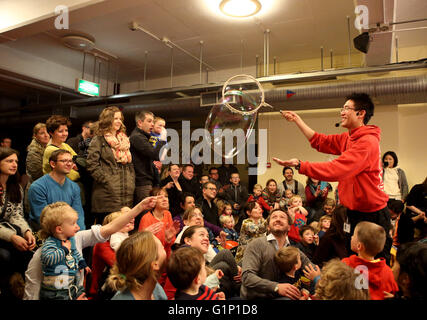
x=98, y=216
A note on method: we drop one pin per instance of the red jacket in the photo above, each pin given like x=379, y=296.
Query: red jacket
x=357, y=169
x=300, y=220
x=263, y=204
x=380, y=276
x=103, y=256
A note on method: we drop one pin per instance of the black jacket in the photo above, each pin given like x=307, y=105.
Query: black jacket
x=210, y=213
x=143, y=155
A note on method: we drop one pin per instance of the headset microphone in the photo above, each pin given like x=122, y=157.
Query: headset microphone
x=337, y=124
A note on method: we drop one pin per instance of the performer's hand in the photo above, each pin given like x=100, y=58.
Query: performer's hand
x=287, y=163
x=290, y=115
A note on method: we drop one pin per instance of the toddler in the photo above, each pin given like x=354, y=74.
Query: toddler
x=309, y=241
x=61, y=261
x=288, y=260
x=227, y=223
x=324, y=224
x=257, y=196
x=299, y=216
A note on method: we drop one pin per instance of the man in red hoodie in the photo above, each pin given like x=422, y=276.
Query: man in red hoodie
x=357, y=169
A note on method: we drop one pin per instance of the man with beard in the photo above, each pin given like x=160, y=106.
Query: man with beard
x=259, y=273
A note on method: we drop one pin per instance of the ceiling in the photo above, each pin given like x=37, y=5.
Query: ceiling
x=298, y=28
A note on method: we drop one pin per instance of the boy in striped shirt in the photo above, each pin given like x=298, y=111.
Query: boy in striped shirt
x=61, y=261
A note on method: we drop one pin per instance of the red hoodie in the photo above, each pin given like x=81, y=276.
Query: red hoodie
x=357, y=169
x=380, y=276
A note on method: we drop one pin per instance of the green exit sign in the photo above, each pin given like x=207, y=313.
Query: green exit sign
x=87, y=87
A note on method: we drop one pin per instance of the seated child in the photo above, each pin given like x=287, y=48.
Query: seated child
x=309, y=241
x=258, y=198
x=186, y=270
x=337, y=283
x=117, y=238
x=367, y=241
x=324, y=224
x=224, y=208
x=104, y=256
x=288, y=194
x=299, y=217
x=227, y=223
x=288, y=260
x=60, y=258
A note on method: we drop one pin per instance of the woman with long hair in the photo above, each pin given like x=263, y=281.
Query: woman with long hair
x=272, y=195
x=333, y=243
x=140, y=261
x=109, y=162
x=16, y=238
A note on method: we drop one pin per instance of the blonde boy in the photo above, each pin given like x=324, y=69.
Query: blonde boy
x=367, y=241
x=60, y=259
x=299, y=215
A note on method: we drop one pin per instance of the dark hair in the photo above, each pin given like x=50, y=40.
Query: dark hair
x=290, y=221
x=140, y=115
x=55, y=121
x=362, y=101
x=205, y=185
x=13, y=188
x=304, y=228
x=270, y=180
x=188, y=233
x=412, y=258
x=396, y=206
x=184, y=266
x=393, y=155
x=184, y=196
x=187, y=165
x=339, y=216
x=55, y=154
x=250, y=206
x=212, y=168
x=286, y=168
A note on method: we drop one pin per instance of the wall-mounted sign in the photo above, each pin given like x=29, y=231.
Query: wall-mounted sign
x=87, y=87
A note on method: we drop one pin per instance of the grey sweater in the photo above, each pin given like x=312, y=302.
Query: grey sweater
x=259, y=272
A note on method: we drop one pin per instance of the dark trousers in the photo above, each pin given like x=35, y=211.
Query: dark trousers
x=380, y=217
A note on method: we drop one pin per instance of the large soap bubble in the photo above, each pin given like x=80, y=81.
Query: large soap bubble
x=234, y=118
x=228, y=131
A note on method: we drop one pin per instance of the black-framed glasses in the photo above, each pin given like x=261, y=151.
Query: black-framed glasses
x=67, y=161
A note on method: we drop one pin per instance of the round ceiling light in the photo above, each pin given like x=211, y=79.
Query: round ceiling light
x=78, y=42
x=240, y=8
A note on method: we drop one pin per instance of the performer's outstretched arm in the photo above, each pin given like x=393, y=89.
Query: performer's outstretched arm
x=293, y=117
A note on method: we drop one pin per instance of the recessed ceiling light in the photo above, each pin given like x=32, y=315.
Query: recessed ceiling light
x=240, y=8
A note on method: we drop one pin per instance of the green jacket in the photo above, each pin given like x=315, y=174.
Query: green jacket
x=114, y=183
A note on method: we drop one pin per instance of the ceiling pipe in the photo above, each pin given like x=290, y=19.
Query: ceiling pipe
x=384, y=91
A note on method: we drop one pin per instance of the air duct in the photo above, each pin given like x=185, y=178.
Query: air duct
x=384, y=91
